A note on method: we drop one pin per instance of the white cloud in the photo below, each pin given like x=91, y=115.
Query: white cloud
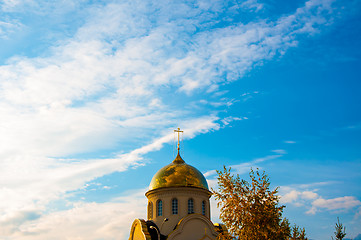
x=252, y=4
x=290, y=197
x=294, y=196
x=358, y=214
x=248, y=95
x=313, y=202
x=340, y=203
x=241, y=168
x=28, y=182
x=39, y=7
x=210, y=173
x=228, y=120
x=9, y=27
x=309, y=195
x=9, y=4
x=111, y=220
x=279, y=151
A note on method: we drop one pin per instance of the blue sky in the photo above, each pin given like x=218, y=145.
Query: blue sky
x=90, y=92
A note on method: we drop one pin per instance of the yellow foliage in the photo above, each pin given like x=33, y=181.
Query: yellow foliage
x=251, y=211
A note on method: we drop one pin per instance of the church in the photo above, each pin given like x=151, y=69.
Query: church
x=178, y=206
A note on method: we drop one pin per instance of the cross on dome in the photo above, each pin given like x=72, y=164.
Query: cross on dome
x=178, y=131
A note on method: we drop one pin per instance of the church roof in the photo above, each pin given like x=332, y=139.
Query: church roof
x=178, y=174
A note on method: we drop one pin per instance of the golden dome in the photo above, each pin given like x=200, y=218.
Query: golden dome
x=178, y=174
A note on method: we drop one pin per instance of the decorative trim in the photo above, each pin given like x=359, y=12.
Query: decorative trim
x=178, y=190
x=143, y=228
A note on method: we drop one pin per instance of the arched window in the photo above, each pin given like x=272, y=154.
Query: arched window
x=174, y=206
x=203, y=208
x=159, y=208
x=150, y=210
x=190, y=206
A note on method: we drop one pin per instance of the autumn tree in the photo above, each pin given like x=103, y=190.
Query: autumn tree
x=340, y=230
x=251, y=211
x=298, y=233
x=223, y=236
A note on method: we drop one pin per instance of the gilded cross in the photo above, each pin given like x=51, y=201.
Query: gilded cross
x=178, y=131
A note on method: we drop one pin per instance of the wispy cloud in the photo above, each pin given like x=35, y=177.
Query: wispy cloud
x=252, y=5
x=9, y=27
x=279, y=151
x=241, y=168
x=358, y=214
x=29, y=184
